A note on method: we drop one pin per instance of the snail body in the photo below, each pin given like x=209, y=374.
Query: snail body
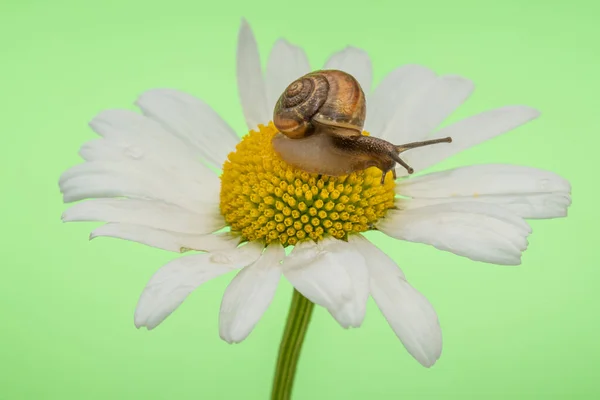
x=320, y=119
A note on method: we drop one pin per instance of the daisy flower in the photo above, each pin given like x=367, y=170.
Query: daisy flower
x=151, y=178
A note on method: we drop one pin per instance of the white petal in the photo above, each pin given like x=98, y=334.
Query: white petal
x=468, y=133
x=138, y=179
x=171, y=284
x=191, y=120
x=136, y=157
x=251, y=86
x=484, y=179
x=428, y=108
x=331, y=274
x=526, y=191
x=171, y=241
x=104, y=150
x=408, y=312
x=393, y=95
x=249, y=295
x=129, y=125
x=131, y=136
x=356, y=62
x=479, y=231
x=530, y=206
x=286, y=64
x=150, y=213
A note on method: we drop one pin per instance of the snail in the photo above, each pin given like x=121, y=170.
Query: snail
x=320, y=118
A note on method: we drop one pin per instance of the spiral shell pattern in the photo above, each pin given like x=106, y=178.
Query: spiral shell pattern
x=328, y=98
x=299, y=103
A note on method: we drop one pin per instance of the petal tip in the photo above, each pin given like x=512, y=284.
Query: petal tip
x=354, y=48
x=428, y=363
x=283, y=41
x=141, y=322
x=532, y=112
x=228, y=339
x=244, y=26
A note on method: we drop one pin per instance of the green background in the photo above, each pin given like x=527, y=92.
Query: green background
x=66, y=330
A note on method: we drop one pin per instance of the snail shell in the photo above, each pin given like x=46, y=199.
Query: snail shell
x=327, y=99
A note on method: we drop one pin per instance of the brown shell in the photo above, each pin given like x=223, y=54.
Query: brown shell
x=327, y=99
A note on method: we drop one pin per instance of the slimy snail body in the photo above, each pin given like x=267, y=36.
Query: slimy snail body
x=320, y=118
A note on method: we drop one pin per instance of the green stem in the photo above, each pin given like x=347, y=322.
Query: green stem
x=291, y=343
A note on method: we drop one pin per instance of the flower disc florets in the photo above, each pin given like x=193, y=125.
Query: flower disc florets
x=264, y=198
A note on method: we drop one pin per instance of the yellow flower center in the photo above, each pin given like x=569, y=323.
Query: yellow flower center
x=264, y=198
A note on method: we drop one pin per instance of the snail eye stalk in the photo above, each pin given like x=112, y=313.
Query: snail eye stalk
x=413, y=145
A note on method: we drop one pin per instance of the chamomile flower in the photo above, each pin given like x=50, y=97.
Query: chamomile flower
x=150, y=177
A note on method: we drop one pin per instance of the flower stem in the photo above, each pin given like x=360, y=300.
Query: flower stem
x=291, y=344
